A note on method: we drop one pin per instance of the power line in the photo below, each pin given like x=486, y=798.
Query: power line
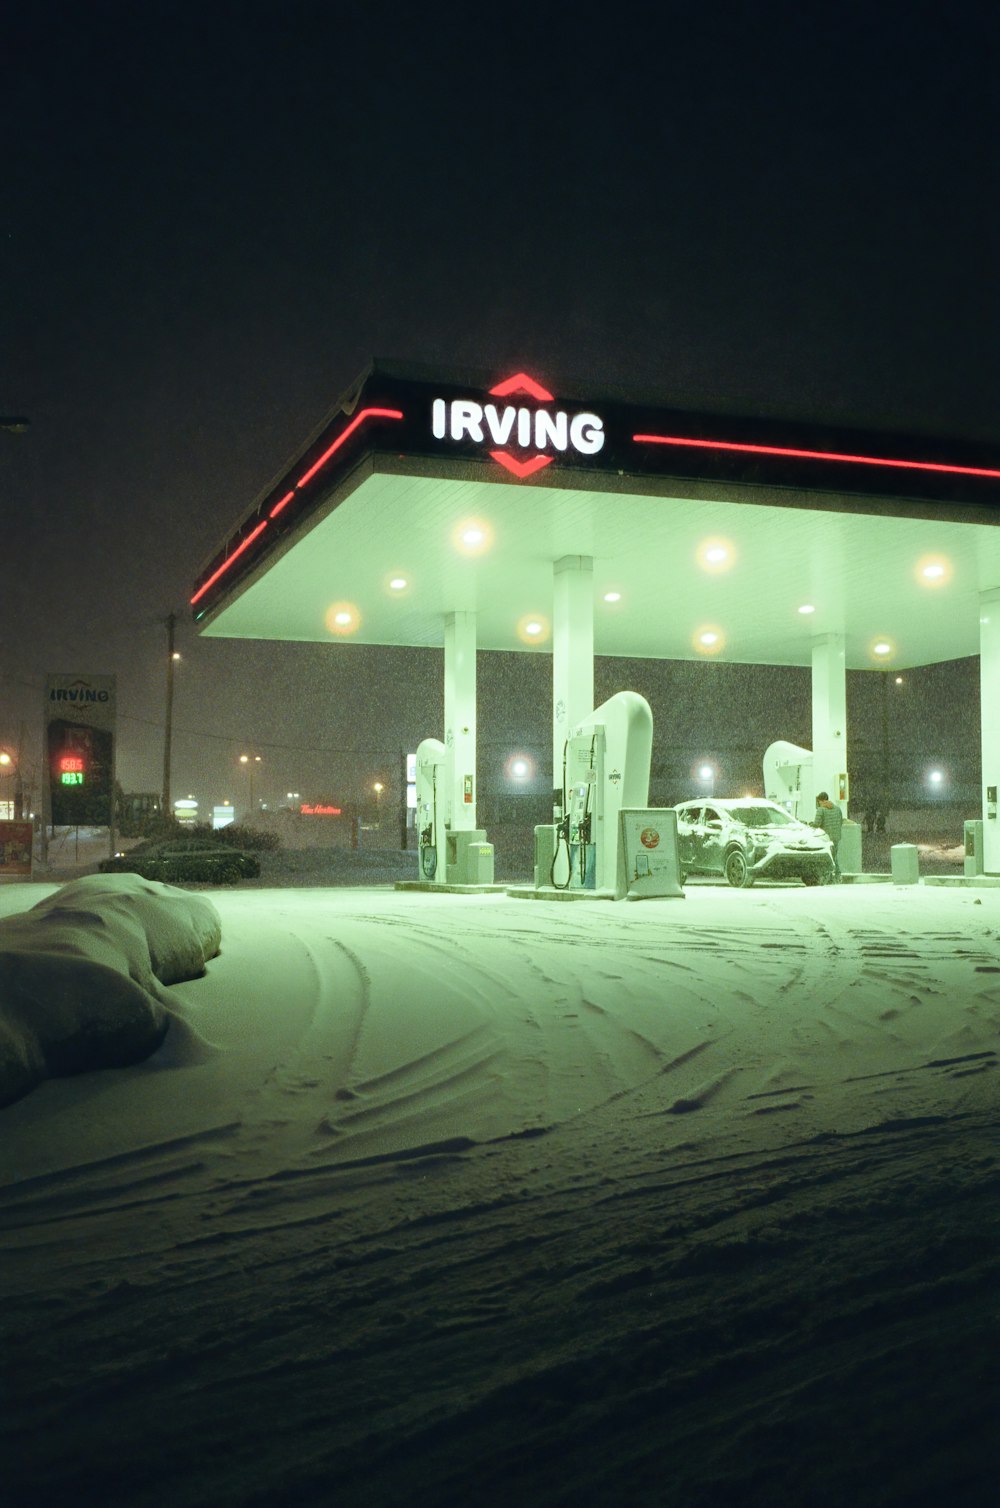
x=229, y=738
x=259, y=743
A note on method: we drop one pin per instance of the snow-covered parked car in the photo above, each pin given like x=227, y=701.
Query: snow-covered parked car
x=748, y=838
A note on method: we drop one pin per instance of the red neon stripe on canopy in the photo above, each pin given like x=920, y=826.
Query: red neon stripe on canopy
x=281, y=503
x=227, y=563
x=359, y=418
x=814, y=455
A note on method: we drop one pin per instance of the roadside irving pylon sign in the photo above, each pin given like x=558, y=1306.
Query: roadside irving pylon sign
x=80, y=715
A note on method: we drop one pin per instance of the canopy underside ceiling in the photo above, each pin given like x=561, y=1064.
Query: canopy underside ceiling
x=863, y=574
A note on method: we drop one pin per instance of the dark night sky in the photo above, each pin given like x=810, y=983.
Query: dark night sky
x=213, y=216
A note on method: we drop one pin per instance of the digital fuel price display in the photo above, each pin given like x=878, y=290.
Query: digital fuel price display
x=71, y=770
x=81, y=774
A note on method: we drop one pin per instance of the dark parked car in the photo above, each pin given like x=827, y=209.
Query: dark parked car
x=185, y=860
x=748, y=838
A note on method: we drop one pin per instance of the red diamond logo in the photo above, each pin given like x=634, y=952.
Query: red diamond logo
x=521, y=383
x=520, y=468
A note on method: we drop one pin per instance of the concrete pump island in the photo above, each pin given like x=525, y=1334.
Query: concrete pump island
x=471, y=513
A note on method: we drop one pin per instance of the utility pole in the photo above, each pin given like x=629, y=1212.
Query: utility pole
x=20, y=808
x=16, y=425
x=884, y=793
x=168, y=731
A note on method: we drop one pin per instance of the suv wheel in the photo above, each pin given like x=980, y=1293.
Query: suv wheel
x=737, y=870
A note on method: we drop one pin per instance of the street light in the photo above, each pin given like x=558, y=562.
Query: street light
x=172, y=658
x=250, y=760
x=378, y=788
x=705, y=774
x=7, y=767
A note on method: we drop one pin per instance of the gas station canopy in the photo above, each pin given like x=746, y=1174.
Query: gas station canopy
x=711, y=536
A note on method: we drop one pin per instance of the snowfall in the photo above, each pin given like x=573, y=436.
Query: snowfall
x=386, y=1197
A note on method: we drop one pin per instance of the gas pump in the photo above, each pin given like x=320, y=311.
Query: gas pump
x=789, y=779
x=584, y=782
x=605, y=768
x=433, y=814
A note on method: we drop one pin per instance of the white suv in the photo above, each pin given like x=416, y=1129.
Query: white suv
x=749, y=838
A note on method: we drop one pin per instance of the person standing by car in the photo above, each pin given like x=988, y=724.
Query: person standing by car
x=831, y=819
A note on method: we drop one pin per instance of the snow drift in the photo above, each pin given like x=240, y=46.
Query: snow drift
x=81, y=975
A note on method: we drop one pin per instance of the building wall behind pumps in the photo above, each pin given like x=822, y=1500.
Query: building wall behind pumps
x=728, y=714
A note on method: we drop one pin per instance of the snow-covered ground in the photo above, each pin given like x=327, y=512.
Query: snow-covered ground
x=452, y=1199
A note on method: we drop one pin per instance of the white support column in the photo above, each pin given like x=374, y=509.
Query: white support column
x=829, y=717
x=460, y=717
x=572, y=651
x=989, y=680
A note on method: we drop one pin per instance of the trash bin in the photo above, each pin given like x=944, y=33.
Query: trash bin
x=905, y=861
x=470, y=858
x=545, y=848
x=849, y=850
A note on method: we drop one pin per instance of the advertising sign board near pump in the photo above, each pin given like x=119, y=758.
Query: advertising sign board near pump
x=15, y=850
x=648, y=863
